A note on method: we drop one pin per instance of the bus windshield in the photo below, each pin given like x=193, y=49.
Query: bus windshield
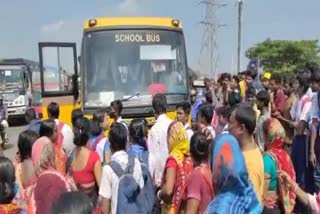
x=119, y=64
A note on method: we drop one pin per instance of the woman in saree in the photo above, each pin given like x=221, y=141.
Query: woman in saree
x=178, y=167
x=276, y=198
x=49, y=183
x=233, y=191
x=49, y=130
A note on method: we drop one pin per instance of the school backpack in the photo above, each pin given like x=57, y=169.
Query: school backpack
x=93, y=146
x=131, y=198
x=143, y=157
x=106, y=148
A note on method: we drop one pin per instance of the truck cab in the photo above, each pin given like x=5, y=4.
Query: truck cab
x=16, y=85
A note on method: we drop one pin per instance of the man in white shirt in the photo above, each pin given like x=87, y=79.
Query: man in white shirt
x=157, y=140
x=66, y=131
x=110, y=181
x=183, y=115
x=300, y=118
x=205, y=115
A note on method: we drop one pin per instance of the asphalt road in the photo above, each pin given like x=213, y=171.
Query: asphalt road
x=13, y=134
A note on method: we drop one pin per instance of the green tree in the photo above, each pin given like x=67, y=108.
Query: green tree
x=285, y=56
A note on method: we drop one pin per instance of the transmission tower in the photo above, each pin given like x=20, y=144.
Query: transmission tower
x=211, y=26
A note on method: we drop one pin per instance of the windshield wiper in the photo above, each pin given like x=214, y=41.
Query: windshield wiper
x=184, y=94
x=129, y=98
x=166, y=94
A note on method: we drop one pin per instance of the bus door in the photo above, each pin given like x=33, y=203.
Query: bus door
x=59, y=77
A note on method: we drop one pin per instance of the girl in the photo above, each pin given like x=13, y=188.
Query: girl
x=199, y=190
x=138, y=136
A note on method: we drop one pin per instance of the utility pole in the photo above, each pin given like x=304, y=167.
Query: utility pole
x=240, y=3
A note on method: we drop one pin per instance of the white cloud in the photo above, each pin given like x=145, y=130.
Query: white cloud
x=129, y=8
x=62, y=31
x=52, y=27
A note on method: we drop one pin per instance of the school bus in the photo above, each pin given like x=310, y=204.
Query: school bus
x=125, y=58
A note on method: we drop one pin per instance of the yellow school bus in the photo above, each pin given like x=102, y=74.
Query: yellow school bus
x=129, y=59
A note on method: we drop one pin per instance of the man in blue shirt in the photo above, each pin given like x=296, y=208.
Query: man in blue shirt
x=31, y=117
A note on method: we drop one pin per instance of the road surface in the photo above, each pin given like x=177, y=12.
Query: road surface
x=13, y=134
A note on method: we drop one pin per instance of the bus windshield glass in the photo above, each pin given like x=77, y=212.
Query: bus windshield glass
x=119, y=64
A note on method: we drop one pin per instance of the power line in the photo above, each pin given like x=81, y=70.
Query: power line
x=211, y=24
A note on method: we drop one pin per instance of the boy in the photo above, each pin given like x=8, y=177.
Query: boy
x=223, y=117
x=63, y=129
x=183, y=111
x=263, y=102
x=110, y=181
x=98, y=141
x=205, y=115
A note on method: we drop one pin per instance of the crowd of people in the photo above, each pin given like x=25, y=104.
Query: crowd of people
x=241, y=147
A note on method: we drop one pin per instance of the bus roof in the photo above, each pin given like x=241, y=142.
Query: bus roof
x=101, y=22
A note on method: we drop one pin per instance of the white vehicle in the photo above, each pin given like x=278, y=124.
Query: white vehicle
x=16, y=85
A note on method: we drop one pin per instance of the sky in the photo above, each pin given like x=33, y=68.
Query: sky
x=25, y=23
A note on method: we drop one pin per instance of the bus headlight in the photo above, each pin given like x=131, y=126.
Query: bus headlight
x=92, y=22
x=175, y=22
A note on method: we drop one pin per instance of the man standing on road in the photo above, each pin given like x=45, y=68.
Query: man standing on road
x=242, y=125
x=157, y=142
